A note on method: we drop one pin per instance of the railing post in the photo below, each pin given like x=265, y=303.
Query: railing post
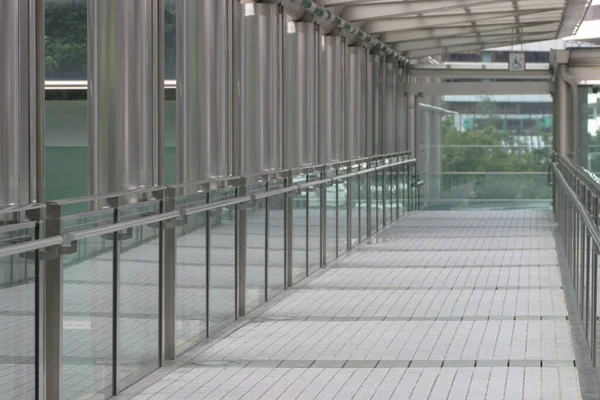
x=53, y=310
x=323, y=219
x=369, y=226
x=242, y=225
x=384, y=197
x=349, y=210
x=170, y=278
x=288, y=223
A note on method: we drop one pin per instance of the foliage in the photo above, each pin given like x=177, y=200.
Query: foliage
x=491, y=150
x=66, y=39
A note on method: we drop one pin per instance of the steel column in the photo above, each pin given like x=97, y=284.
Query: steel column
x=124, y=94
x=300, y=88
x=260, y=85
x=21, y=102
x=355, y=137
x=203, y=93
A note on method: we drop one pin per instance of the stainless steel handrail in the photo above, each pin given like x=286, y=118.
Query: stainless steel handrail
x=119, y=226
x=33, y=245
x=587, y=219
x=84, y=199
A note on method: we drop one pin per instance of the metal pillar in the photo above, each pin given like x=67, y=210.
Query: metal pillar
x=561, y=99
x=259, y=84
x=354, y=138
x=203, y=101
x=300, y=88
x=389, y=108
x=331, y=103
x=125, y=94
x=374, y=75
x=21, y=102
x=400, y=107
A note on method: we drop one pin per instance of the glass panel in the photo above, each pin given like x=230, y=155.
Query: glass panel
x=88, y=320
x=222, y=262
x=331, y=193
x=342, y=215
x=314, y=228
x=362, y=201
x=489, y=141
x=471, y=190
x=17, y=319
x=276, y=267
x=191, y=276
x=589, y=128
x=380, y=201
x=256, y=242
x=373, y=194
x=390, y=191
x=66, y=110
x=355, y=211
x=299, y=237
x=139, y=269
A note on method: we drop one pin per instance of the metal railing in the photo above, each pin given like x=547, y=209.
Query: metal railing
x=145, y=275
x=576, y=197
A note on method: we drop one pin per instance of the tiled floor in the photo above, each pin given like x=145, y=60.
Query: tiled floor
x=444, y=305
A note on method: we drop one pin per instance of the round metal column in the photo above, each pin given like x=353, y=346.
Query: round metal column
x=355, y=136
x=203, y=88
x=374, y=75
x=124, y=91
x=389, y=108
x=331, y=93
x=21, y=102
x=300, y=88
x=400, y=111
x=260, y=82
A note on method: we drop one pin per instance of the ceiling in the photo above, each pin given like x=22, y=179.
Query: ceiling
x=420, y=28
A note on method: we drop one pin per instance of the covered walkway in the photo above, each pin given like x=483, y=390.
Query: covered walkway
x=443, y=305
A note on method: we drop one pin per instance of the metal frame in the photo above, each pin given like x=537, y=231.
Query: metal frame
x=576, y=210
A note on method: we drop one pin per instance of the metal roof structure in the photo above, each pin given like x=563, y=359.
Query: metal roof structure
x=421, y=28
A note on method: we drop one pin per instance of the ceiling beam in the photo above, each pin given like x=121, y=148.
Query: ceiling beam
x=474, y=46
x=481, y=88
x=419, y=22
x=468, y=39
x=434, y=33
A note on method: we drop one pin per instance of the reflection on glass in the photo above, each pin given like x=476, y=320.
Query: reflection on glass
x=222, y=262
x=88, y=320
x=314, y=228
x=373, y=195
x=354, y=187
x=589, y=128
x=190, y=274
x=17, y=319
x=472, y=190
x=342, y=215
x=276, y=267
x=138, y=295
x=331, y=215
x=256, y=242
x=362, y=193
x=299, y=233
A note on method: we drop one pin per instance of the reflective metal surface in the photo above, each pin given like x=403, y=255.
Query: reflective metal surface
x=331, y=98
x=389, y=107
x=355, y=136
x=21, y=102
x=300, y=90
x=203, y=101
x=123, y=94
x=259, y=85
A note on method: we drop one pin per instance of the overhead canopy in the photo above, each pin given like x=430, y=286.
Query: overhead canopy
x=420, y=28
